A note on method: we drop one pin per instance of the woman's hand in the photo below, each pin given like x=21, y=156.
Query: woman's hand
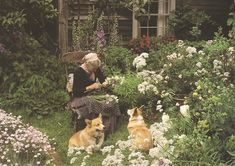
x=105, y=85
x=94, y=86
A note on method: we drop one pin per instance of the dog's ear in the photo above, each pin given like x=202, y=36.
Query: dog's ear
x=100, y=115
x=141, y=107
x=135, y=113
x=88, y=122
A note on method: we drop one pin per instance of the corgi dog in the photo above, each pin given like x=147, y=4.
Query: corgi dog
x=91, y=136
x=141, y=138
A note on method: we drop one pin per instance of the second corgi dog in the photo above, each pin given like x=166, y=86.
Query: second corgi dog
x=141, y=138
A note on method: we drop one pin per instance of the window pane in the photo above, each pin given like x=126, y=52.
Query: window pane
x=152, y=31
x=143, y=32
x=153, y=21
x=143, y=21
x=154, y=8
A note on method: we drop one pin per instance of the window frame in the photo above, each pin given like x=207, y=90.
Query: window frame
x=162, y=14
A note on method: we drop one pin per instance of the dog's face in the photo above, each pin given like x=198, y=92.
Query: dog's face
x=95, y=125
x=135, y=114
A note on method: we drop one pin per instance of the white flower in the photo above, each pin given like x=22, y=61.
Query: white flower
x=180, y=43
x=139, y=62
x=165, y=118
x=209, y=42
x=159, y=107
x=182, y=136
x=172, y=56
x=226, y=74
x=191, y=50
x=154, y=152
x=180, y=76
x=231, y=50
x=199, y=64
x=201, y=52
x=73, y=160
x=144, y=55
x=184, y=110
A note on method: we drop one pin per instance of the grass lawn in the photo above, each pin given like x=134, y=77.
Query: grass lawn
x=58, y=126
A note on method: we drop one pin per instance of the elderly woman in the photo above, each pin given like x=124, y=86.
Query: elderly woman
x=88, y=78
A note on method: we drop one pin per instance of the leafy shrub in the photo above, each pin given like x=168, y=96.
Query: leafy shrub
x=189, y=24
x=128, y=92
x=117, y=60
x=39, y=95
x=193, y=83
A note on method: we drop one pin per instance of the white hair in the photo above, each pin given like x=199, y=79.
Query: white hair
x=92, y=59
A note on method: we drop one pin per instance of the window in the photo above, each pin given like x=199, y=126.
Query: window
x=154, y=21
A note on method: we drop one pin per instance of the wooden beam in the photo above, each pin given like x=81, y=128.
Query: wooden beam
x=135, y=24
x=63, y=26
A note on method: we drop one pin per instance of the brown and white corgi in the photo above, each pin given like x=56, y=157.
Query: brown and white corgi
x=91, y=136
x=140, y=136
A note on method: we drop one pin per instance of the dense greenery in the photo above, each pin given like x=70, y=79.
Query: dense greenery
x=30, y=75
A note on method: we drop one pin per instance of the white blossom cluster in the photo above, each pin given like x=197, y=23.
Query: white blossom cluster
x=140, y=61
x=191, y=51
x=209, y=42
x=174, y=56
x=162, y=146
x=180, y=43
x=145, y=87
x=107, y=149
x=151, y=79
x=17, y=139
x=75, y=152
x=114, y=80
x=137, y=159
x=124, y=144
x=200, y=71
x=111, y=98
x=184, y=110
x=231, y=50
x=201, y=52
x=151, y=76
x=115, y=159
x=159, y=106
x=218, y=69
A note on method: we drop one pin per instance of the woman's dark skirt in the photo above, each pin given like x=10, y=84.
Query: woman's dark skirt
x=89, y=108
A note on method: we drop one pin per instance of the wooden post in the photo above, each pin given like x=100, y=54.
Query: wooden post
x=63, y=27
x=135, y=24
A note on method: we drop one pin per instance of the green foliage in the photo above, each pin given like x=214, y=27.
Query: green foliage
x=13, y=19
x=82, y=33
x=188, y=23
x=231, y=22
x=118, y=60
x=220, y=46
x=39, y=95
x=230, y=147
x=32, y=59
x=32, y=17
x=128, y=92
